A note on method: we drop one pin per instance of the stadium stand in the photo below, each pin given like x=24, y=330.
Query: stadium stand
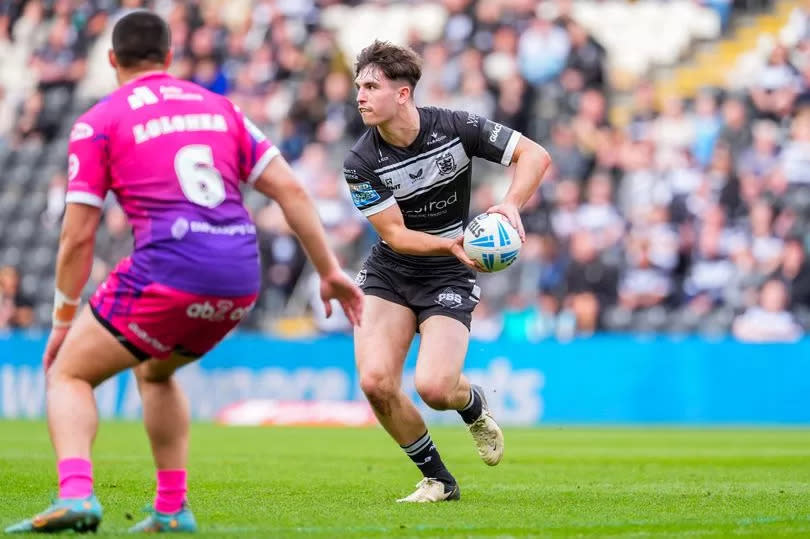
x=680, y=133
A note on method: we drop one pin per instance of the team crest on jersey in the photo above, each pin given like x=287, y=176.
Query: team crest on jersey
x=361, y=277
x=363, y=194
x=446, y=163
x=448, y=298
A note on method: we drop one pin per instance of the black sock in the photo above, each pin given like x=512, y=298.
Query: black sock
x=473, y=410
x=424, y=454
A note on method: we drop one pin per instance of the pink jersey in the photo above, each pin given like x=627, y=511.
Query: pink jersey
x=174, y=154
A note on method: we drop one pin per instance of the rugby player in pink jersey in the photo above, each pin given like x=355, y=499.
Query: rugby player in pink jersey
x=174, y=154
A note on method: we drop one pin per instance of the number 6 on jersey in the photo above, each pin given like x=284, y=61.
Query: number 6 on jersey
x=201, y=182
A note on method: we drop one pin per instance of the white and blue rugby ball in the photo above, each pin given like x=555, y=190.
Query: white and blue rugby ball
x=492, y=241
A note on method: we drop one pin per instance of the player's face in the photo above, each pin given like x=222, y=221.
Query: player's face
x=377, y=96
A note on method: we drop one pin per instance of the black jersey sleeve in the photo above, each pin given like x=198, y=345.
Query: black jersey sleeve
x=369, y=194
x=485, y=138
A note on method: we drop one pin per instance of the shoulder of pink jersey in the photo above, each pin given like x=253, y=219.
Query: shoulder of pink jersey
x=92, y=122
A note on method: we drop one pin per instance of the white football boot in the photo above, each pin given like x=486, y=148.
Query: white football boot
x=430, y=490
x=486, y=433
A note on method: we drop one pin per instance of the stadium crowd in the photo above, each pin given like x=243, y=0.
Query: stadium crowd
x=692, y=216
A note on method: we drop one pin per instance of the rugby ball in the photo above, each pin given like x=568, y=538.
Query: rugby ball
x=492, y=241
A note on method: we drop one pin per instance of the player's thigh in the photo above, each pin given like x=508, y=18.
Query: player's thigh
x=159, y=370
x=442, y=350
x=382, y=340
x=90, y=352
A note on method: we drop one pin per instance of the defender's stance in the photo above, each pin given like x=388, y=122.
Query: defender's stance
x=410, y=175
x=174, y=154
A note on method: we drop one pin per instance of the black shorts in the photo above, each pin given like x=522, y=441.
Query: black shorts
x=436, y=286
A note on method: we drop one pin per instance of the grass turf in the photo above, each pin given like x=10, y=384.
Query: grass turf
x=297, y=482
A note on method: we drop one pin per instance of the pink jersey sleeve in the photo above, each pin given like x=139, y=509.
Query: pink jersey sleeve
x=255, y=149
x=88, y=176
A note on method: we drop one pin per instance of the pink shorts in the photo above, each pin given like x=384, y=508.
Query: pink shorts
x=153, y=320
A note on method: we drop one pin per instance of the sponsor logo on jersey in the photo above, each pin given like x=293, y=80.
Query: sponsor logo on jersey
x=180, y=228
x=417, y=175
x=448, y=298
x=472, y=119
x=435, y=137
x=81, y=131
x=145, y=337
x=493, y=135
x=363, y=194
x=222, y=311
x=436, y=206
x=73, y=166
x=389, y=183
x=446, y=163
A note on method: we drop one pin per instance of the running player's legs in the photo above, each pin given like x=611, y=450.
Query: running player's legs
x=381, y=343
x=442, y=350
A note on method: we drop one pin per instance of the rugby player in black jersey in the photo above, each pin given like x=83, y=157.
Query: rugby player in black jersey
x=410, y=175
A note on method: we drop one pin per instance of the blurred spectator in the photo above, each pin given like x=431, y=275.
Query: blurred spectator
x=763, y=155
x=16, y=310
x=590, y=284
x=542, y=51
x=584, y=67
x=598, y=215
x=795, y=272
x=55, y=200
x=796, y=155
x=776, y=87
x=707, y=127
x=769, y=321
x=642, y=285
x=735, y=132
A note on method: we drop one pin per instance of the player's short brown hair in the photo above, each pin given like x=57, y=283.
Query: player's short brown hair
x=397, y=63
x=139, y=38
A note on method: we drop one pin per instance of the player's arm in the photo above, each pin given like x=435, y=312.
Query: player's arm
x=531, y=162
x=500, y=144
x=278, y=182
x=390, y=225
x=74, y=260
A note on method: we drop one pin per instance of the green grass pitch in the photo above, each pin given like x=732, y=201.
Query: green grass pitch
x=554, y=481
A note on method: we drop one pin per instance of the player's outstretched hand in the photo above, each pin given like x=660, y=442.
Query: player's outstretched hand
x=458, y=251
x=512, y=214
x=55, y=340
x=339, y=286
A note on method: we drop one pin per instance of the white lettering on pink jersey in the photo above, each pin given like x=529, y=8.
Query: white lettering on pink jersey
x=165, y=125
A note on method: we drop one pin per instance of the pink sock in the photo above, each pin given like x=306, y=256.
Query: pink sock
x=75, y=478
x=171, y=490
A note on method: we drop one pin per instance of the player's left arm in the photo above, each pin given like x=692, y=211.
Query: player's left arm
x=73, y=264
x=531, y=162
x=88, y=183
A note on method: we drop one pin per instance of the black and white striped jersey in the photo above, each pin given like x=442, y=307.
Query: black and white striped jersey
x=430, y=180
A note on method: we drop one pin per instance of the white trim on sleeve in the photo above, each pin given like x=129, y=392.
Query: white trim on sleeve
x=387, y=203
x=262, y=163
x=83, y=197
x=506, y=160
